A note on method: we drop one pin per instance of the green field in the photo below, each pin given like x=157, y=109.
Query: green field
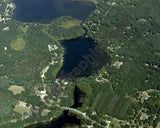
x=112, y=104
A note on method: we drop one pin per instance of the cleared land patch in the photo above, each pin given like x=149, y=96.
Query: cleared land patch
x=18, y=44
x=22, y=108
x=45, y=112
x=71, y=23
x=16, y=89
x=158, y=125
x=109, y=103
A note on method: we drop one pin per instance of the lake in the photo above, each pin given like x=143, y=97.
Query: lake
x=47, y=10
x=80, y=55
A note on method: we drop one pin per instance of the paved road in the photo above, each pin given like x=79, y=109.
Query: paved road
x=77, y=111
x=83, y=114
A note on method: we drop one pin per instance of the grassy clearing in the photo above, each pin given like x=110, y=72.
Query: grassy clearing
x=16, y=89
x=22, y=108
x=158, y=125
x=144, y=116
x=116, y=123
x=45, y=112
x=71, y=23
x=18, y=44
x=144, y=96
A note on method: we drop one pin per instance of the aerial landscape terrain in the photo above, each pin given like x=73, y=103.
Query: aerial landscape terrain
x=79, y=63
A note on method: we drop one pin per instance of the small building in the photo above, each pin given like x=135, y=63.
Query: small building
x=94, y=113
x=55, y=46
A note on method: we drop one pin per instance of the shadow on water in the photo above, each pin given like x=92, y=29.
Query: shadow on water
x=65, y=120
x=47, y=10
x=78, y=98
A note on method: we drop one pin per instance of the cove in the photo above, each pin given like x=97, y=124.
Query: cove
x=45, y=11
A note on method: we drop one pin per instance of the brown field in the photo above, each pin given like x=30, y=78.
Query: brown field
x=45, y=112
x=22, y=108
x=158, y=125
x=71, y=23
x=18, y=44
x=16, y=89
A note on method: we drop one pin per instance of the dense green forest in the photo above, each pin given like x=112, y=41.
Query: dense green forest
x=136, y=43
x=127, y=31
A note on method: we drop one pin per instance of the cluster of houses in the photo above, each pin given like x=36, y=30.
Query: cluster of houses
x=7, y=13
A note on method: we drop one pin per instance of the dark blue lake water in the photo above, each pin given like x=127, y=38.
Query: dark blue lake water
x=81, y=58
x=74, y=50
x=47, y=10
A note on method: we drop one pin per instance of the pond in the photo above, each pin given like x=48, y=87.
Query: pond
x=47, y=10
x=81, y=58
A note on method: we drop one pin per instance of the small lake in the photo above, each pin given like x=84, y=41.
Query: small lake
x=47, y=10
x=81, y=58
